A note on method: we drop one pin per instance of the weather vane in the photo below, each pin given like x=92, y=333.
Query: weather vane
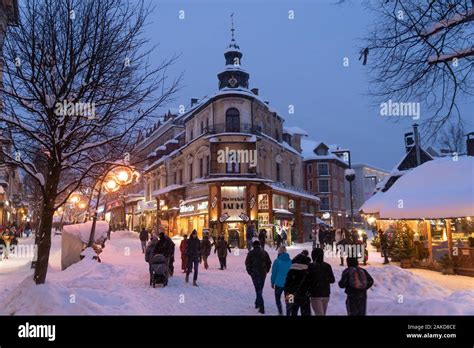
x=232, y=28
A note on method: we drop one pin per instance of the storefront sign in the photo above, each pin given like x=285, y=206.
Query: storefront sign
x=214, y=202
x=186, y=208
x=263, y=201
x=263, y=219
x=244, y=217
x=224, y=217
x=252, y=202
x=233, y=201
x=202, y=205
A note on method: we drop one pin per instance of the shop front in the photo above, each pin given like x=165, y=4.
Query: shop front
x=193, y=215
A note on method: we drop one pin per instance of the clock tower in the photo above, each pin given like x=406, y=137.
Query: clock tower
x=233, y=76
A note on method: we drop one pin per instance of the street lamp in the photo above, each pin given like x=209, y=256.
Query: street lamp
x=350, y=176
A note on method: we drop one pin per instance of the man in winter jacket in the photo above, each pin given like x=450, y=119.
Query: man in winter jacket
x=182, y=249
x=258, y=264
x=249, y=235
x=221, y=248
x=280, y=269
x=262, y=237
x=143, y=238
x=193, y=253
x=355, y=280
x=205, y=250
x=320, y=277
x=165, y=246
x=297, y=286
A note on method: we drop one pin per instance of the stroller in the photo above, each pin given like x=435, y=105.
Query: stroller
x=159, y=272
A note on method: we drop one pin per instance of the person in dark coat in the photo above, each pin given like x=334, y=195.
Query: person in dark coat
x=3, y=247
x=193, y=253
x=143, y=236
x=249, y=235
x=278, y=241
x=165, y=246
x=182, y=249
x=284, y=238
x=258, y=264
x=222, y=247
x=206, y=247
x=356, y=281
x=384, y=246
x=322, y=236
x=320, y=279
x=341, y=247
x=262, y=237
x=297, y=286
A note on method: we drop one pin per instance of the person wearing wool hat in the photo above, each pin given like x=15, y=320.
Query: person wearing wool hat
x=280, y=269
x=258, y=264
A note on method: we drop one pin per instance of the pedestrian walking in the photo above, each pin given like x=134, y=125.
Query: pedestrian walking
x=278, y=241
x=297, y=286
x=143, y=236
x=193, y=253
x=314, y=236
x=262, y=237
x=249, y=235
x=258, y=264
x=284, y=237
x=356, y=281
x=280, y=269
x=205, y=250
x=182, y=249
x=320, y=279
x=222, y=247
x=384, y=245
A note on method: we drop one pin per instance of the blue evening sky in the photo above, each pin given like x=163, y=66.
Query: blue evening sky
x=297, y=62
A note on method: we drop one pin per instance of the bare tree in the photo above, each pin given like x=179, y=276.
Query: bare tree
x=453, y=138
x=78, y=86
x=422, y=51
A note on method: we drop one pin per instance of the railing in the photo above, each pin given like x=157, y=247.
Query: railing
x=241, y=128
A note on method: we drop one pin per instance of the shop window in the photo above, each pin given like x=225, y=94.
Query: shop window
x=323, y=169
x=324, y=203
x=323, y=185
x=280, y=202
x=232, y=120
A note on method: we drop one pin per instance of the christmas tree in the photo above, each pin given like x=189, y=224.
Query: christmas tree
x=401, y=243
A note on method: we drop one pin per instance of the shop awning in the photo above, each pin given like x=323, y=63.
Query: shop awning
x=282, y=212
x=166, y=189
x=438, y=189
x=293, y=192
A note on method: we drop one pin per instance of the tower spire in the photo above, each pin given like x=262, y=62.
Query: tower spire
x=232, y=26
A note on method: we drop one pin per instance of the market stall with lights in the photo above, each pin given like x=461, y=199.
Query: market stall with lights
x=433, y=205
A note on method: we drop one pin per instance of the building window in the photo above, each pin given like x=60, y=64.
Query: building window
x=208, y=164
x=310, y=185
x=310, y=168
x=201, y=167
x=232, y=120
x=292, y=175
x=324, y=203
x=336, y=202
x=190, y=172
x=207, y=125
x=176, y=177
x=323, y=185
x=191, y=135
x=202, y=127
x=278, y=172
x=232, y=167
x=323, y=169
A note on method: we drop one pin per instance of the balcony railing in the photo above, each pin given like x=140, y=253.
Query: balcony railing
x=241, y=128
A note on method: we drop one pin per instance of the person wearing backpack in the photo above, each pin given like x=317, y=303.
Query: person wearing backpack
x=297, y=286
x=320, y=279
x=355, y=280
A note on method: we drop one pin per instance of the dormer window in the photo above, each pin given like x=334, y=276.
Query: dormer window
x=321, y=150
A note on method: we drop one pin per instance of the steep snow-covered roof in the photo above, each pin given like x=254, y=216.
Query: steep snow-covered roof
x=308, y=146
x=295, y=130
x=441, y=188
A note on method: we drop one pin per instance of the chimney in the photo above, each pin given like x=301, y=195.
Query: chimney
x=409, y=141
x=470, y=144
x=254, y=91
x=194, y=101
x=417, y=144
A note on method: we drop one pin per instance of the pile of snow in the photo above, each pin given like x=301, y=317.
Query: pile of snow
x=83, y=231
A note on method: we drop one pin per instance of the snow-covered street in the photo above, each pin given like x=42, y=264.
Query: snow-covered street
x=119, y=285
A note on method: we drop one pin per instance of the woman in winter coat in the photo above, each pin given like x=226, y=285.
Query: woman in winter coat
x=280, y=269
x=182, y=249
x=297, y=286
x=222, y=247
x=206, y=247
x=262, y=237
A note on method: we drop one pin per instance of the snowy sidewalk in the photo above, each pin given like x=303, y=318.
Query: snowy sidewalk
x=119, y=286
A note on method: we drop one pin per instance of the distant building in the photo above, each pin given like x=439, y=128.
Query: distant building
x=324, y=176
x=367, y=178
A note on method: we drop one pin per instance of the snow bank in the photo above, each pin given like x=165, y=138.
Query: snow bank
x=83, y=230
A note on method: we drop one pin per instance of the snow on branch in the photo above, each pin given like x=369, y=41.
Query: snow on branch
x=442, y=58
x=455, y=20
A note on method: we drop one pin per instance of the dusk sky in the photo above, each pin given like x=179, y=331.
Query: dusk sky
x=293, y=62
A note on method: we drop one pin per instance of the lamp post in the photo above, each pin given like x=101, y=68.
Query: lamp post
x=350, y=176
x=117, y=177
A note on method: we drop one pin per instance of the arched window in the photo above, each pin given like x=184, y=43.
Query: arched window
x=232, y=120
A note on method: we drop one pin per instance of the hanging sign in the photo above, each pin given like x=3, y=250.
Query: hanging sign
x=224, y=217
x=252, y=202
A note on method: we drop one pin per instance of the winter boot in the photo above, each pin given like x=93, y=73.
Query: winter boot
x=194, y=283
x=187, y=277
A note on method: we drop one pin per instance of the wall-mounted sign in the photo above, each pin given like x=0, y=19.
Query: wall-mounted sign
x=244, y=217
x=252, y=201
x=233, y=201
x=202, y=205
x=263, y=201
x=263, y=219
x=224, y=217
x=186, y=208
x=214, y=202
